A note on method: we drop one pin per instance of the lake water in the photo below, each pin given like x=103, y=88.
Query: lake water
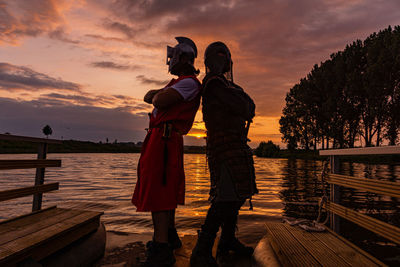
x=287, y=188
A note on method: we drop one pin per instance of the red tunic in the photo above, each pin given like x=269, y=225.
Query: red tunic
x=161, y=179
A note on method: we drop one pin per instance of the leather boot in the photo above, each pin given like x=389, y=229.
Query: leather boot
x=202, y=252
x=233, y=245
x=228, y=241
x=173, y=238
x=159, y=255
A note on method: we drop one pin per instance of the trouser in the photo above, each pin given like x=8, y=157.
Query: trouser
x=222, y=214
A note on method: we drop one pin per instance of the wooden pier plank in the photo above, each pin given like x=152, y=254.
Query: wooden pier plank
x=61, y=241
x=319, y=250
x=289, y=251
x=371, y=185
x=29, y=163
x=386, y=230
x=37, y=224
x=380, y=150
x=75, y=220
x=23, y=220
x=26, y=191
x=65, y=231
x=296, y=247
x=353, y=255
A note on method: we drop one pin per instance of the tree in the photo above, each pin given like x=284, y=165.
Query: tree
x=47, y=131
x=267, y=149
x=354, y=94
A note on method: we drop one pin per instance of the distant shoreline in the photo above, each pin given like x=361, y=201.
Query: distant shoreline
x=74, y=146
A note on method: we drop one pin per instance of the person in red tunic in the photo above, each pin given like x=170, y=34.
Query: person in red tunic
x=160, y=183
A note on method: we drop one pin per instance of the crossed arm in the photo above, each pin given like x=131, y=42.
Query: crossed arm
x=163, y=98
x=232, y=100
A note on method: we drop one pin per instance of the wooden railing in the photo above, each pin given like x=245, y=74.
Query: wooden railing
x=41, y=163
x=336, y=180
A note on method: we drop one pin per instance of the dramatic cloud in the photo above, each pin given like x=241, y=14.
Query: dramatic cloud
x=14, y=78
x=273, y=43
x=20, y=18
x=118, y=102
x=113, y=65
x=146, y=80
x=105, y=38
x=139, y=33
x=71, y=121
x=61, y=35
x=123, y=28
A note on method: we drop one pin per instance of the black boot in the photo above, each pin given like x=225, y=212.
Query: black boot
x=228, y=241
x=233, y=245
x=173, y=238
x=158, y=255
x=202, y=252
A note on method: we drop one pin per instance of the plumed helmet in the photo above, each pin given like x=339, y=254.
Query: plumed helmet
x=217, y=58
x=182, y=54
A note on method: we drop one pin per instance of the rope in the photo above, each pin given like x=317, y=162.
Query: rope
x=308, y=225
x=314, y=225
x=324, y=197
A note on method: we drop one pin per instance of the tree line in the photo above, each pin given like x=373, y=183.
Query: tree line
x=354, y=96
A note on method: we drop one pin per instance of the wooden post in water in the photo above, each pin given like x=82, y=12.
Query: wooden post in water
x=39, y=180
x=334, y=194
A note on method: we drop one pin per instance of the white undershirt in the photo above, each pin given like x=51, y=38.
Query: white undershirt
x=187, y=88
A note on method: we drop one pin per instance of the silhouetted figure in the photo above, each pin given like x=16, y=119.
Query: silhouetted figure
x=161, y=179
x=227, y=113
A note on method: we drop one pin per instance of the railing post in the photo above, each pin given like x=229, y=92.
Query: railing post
x=334, y=195
x=39, y=180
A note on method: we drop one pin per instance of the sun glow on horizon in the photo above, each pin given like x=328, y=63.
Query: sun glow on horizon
x=198, y=135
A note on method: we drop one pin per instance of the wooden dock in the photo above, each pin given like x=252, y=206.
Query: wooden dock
x=33, y=237
x=296, y=247
x=40, y=234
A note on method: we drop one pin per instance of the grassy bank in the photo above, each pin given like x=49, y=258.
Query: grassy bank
x=69, y=146
x=73, y=146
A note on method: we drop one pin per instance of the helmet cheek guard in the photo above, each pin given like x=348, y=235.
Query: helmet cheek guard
x=173, y=56
x=185, y=46
x=170, y=54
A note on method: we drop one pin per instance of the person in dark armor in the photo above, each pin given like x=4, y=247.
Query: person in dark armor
x=227, y=113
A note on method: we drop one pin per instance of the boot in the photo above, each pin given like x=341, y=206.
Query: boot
x=158, y=255
x=173, y=238
x=228, y=241
x=202, y=252
x=233, y=245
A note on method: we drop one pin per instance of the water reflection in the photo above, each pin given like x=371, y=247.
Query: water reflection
x=287, y=187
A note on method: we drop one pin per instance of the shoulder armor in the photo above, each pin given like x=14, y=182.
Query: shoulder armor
x=216, y=77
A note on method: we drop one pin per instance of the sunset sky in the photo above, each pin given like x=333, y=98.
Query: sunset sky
x=83, y=66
